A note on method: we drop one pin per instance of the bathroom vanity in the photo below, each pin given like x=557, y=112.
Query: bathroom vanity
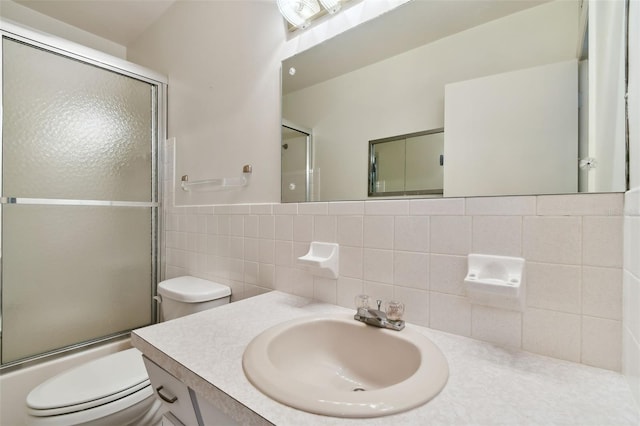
x=202, y=355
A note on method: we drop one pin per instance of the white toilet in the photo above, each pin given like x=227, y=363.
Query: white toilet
x=115, y=389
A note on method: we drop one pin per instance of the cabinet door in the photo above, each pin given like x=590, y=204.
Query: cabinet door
x=212, y=415
x=169, y=419
x=174, y=394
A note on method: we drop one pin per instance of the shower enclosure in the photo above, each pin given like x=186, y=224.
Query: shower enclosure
x=80, y=195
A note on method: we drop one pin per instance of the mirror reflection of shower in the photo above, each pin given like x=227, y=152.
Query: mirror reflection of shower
x=296, y=177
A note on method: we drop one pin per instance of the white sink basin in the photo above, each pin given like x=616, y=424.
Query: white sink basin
x=337, y=366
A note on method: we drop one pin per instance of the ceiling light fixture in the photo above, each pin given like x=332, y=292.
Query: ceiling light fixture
x=298, y=12
x=332, y=6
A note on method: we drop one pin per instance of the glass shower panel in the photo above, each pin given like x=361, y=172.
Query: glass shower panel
x=79, y=202
x=73, y=273
x=72, y=130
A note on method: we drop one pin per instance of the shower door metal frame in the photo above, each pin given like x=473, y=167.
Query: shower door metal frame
x=102, y=60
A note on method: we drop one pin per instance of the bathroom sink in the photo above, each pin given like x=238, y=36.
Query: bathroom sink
x=336, y=366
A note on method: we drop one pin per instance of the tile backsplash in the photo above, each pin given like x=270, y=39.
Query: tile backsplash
x=631, y=292
x=416, y=251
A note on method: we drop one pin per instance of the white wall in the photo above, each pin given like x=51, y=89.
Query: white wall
x=634, y=93
x=222, y=60
x=631, y=287
x=405, y=94
x=27, y=17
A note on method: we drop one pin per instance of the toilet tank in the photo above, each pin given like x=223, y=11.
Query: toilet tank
x=187, y=295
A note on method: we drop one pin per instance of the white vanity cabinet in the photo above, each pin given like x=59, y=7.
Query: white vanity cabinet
x=169, y=419
x=211, y=416
x=175, y=395
x=184, y=407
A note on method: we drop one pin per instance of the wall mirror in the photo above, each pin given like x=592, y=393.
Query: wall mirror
x=407, y=164
x=406, y=71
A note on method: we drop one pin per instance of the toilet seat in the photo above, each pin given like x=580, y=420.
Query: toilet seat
x=192, y=290
x=119, y=376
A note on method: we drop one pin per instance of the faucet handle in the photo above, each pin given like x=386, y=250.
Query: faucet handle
x=379, y=302
x=362, y=301
x=394, y=310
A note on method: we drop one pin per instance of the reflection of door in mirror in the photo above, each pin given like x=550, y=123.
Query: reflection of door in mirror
x=295, y=158
x=407, y=164
x=525, y=141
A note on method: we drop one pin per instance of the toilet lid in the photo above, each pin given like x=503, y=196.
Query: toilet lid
x=192, y=289
x=91, y=384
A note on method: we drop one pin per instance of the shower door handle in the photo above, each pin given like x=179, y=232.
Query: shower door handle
x=166, y=396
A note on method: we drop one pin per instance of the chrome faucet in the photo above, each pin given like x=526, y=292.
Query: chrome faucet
x=375, y=317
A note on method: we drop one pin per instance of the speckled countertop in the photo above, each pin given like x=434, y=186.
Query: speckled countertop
x=488, y=385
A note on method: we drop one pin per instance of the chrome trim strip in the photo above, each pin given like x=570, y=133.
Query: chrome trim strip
x=63, y=202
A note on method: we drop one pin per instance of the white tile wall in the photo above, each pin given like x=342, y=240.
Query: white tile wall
x=631, y=292
x=499, y=326
x=416, y=251
x=552, y=333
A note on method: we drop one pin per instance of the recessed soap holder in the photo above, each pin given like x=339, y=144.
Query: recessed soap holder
x=322, y=259
x=495, y=281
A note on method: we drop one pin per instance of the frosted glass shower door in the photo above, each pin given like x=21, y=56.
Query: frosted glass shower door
x=79, y=202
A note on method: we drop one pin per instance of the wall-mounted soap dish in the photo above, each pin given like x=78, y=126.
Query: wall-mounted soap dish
x=496, y=281
x=322, y=259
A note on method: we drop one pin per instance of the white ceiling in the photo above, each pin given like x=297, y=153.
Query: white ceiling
x=120, y=21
